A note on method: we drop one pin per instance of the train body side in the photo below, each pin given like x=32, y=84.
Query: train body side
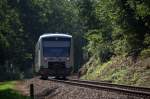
x=54, y=55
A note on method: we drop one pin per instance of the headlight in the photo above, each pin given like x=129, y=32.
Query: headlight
x=67, y=58
x=45, y=58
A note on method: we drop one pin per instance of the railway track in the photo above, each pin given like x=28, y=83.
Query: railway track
x=123, y=89
x=114, y=85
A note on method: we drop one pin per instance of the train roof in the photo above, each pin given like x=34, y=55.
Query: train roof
x=55, y=35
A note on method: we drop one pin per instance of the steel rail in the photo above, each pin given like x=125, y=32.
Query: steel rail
x=102, y=86
x=113, y=85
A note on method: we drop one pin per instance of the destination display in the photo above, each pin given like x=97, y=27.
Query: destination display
x=56, y=43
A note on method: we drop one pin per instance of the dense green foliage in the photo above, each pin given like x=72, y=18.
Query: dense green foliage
x=123, y=28
x=102, y=28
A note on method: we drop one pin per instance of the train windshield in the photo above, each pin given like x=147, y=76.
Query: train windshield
x=56, y=47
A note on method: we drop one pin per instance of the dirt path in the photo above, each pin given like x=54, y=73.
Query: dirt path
x=22, y=88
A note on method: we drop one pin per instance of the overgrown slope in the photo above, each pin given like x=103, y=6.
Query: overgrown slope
x=120, y=70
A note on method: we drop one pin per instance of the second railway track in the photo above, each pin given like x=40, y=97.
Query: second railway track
x=130, y=90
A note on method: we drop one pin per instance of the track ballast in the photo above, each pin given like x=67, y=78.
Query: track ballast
x=123, y=89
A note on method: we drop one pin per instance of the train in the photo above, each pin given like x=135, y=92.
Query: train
x=54, y=55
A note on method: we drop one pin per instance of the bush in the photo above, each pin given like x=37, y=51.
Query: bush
x=145, y=53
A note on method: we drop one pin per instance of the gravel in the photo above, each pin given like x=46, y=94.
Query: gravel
x=45, y=89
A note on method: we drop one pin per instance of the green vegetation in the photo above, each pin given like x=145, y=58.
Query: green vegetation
x=102, y=30
x=118, y=39
x=145, y=53
x=7, y=85
x=7, y=91
x=122, y=70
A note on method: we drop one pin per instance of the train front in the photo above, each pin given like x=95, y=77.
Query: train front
x=57, y=56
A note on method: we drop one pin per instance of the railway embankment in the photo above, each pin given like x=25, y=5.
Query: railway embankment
x=119, y=70
x=48, y=89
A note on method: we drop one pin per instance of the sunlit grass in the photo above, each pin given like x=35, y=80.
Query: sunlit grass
x=7, y=91
x=7, y=85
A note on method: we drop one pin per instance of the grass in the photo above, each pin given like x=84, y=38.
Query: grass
x=7, y=85
x=7, y=91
